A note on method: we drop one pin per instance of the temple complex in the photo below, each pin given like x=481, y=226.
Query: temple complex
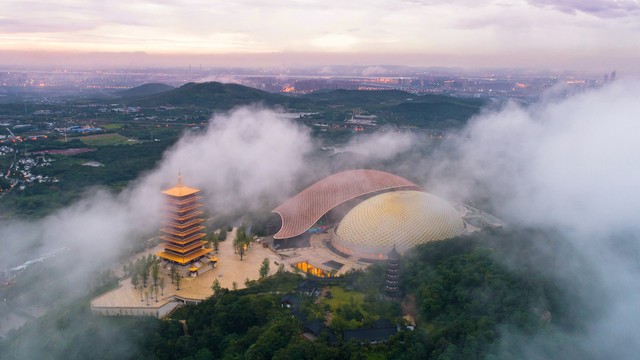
x=182, y=229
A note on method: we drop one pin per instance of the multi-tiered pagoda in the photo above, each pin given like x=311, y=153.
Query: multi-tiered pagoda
x=182, y=227
x=391, y=282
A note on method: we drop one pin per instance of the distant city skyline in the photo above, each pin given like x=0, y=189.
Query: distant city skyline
x=593, y=35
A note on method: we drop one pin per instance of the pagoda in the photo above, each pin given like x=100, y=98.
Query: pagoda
x=391, y=282
x=182, y=227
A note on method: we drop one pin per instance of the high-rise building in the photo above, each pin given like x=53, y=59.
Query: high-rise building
x=182, y=227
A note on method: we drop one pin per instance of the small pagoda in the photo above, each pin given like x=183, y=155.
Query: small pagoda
x=391, y=286
x=182, y=227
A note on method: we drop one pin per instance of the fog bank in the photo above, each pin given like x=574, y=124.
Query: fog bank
x=570, y=165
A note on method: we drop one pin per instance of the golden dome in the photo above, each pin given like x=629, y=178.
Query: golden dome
x=401, y=218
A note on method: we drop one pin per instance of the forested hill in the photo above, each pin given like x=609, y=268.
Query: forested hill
x=487, y=295
x=342, y=97
x=390, y=106
x=145, y=90
x=401, y=107
x=215, y=95
x=490, y=295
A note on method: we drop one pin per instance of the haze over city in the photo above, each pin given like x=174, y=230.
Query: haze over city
x=595, y=35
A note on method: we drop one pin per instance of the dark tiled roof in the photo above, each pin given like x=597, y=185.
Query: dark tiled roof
x=308, y=286
x=315, y=327
x=370, y=335
x=290, y=299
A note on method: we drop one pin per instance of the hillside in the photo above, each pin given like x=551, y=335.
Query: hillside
x=343, y=97
x=145, y=90
x=403, y=108
x=468, y=298
x=215, y=95
x=428, y=110
x=391, y=106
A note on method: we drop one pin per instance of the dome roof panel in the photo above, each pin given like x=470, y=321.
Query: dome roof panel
x=403, y=218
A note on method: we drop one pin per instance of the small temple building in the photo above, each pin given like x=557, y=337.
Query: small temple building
x=182, y=230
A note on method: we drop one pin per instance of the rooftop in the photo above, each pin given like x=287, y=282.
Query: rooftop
x=180, y=190
x=303, y=210
x=402, y=219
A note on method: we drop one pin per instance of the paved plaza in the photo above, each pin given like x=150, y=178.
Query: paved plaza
x=229, y=269
x=318, y=253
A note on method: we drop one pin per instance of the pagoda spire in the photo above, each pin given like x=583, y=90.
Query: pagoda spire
x=179, y=179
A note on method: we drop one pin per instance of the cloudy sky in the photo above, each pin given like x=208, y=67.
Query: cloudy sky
x=405, y=32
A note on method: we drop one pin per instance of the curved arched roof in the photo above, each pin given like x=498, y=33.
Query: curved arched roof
x=300, y=212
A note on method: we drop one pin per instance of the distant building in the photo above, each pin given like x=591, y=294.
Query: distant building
x=182, y=229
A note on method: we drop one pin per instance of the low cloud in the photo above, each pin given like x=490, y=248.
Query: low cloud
x=374, y=70
x=248, y=154
x=383, y=145
x=245, y=155
x=569, y=165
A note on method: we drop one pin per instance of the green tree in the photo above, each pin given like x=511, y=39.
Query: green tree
x=242, y=241
x=204, y=354
x=135, y=280
x=155, y=272
x=216, y=288
x=264, y=268
x=216, y=244
x=210, y=238
x=143, y=270
x=161, y=284
x=239, y=242
x=177, y=279
x=275, y=337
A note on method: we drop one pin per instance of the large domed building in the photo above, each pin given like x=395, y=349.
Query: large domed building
x=354, y=217
x=366, y=213
x=301, y=212
x=401, y=218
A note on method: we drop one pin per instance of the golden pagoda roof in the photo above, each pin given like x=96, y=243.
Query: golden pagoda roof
x=182, y=260
x=180, y=190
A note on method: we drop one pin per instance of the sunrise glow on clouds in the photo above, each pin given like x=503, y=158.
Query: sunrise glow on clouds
x=536, y=28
